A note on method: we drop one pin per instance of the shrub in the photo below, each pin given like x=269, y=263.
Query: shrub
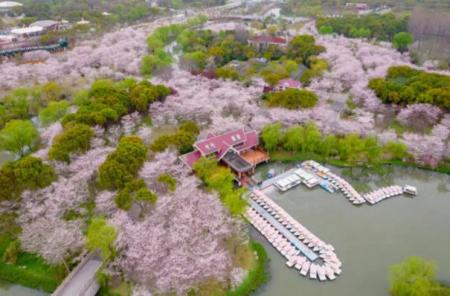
x=292, y=99
x=182, y=139
x=53, y=112
x=11, y=253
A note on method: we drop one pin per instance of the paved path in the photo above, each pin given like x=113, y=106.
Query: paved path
x=82, y=280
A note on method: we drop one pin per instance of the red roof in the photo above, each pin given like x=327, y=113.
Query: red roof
x=191, y=157
x=221, y=144
x=289, y=83
x=268, y=39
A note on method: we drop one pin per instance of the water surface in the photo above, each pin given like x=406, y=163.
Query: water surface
x=8, y=289
x=368, y=239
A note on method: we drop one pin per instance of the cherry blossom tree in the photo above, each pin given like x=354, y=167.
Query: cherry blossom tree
x=419, y=116
x=180, y=244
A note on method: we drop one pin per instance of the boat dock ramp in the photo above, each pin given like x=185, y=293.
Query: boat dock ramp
x=303, y=251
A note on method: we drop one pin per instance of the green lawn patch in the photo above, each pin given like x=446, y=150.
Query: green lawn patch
x=257, y=276
x=29, y=270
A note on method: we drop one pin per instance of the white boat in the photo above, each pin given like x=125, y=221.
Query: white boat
x=411, y=190
x=305, y=268
x=313, y=271
x=290, y=263
x=321, y=274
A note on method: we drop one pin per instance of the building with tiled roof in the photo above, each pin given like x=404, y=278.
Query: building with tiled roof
x=237, y=149
x=264, y=41
x=288, y=83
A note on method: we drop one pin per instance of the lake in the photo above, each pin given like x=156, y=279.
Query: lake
x=8, y=289
x=367, y=239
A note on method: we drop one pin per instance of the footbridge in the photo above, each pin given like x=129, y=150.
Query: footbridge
x=82, y=280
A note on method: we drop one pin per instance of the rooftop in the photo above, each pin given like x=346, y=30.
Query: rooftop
x=226, y=145
x=44, y=23
x=10, y=4
x=27, y=30
x=268, y=39
x=289, y=83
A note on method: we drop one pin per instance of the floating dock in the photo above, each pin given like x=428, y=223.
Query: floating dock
x=302, y=249
x=311, y=174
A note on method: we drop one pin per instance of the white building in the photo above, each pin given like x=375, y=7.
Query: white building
x=9, y=7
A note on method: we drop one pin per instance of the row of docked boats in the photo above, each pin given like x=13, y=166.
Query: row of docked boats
x=311, y=257
x=353, y=196
x=312, y=173
x=383, y=193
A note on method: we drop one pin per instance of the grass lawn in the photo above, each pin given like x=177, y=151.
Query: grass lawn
x=30, y=270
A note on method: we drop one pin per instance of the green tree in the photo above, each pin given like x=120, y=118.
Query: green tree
x=123, y=199
x=145, y=195
x=327, y=146
x=101, y=236
x=122, y=165
x=32, y=173
x=326, y=30
x=292, y=99
x=302, y=47
x=18, y=136
x=75, y=139
x=227, y=73
x=271, y=136
x=311, y=137
x=395, y=150
x=9, y=189
x=293, y=138
x=53, y=112
x=402, y=40
x=413, y=277
x=167, y=179
x=373, y=150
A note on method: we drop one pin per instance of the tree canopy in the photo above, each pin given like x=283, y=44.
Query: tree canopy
x=415, y=277
x=381, y=27
x=221, y=179
x=291, y=98
x=74, y=139
x=101, y=236
x=405, y=85
x=402, y=40
x=28, y=173
x=18, y=136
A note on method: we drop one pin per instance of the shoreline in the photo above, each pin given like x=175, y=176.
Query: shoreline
x=289, y=157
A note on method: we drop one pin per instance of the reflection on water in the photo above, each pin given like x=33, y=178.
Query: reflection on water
x=8, y=289
x=368, y=239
